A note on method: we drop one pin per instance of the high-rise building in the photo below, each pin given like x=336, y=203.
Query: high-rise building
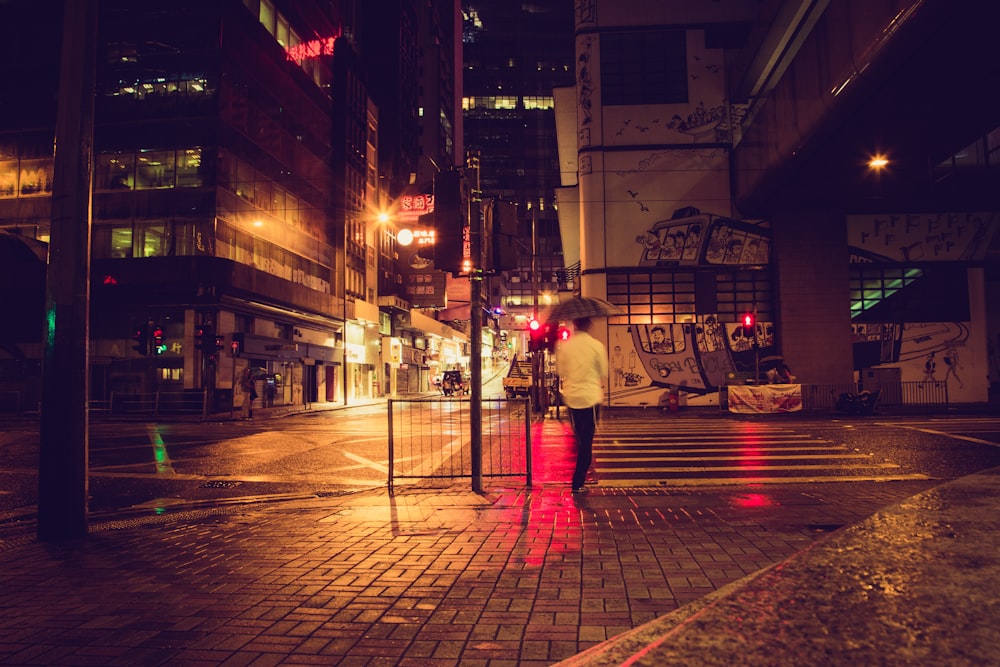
x=516, y=55
x=236, y=188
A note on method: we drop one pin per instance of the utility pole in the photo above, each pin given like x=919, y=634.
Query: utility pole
x=538, y=356
x=62, y=465
x=476, y=333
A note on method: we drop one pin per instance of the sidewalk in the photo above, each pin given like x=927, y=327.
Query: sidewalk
x=444, y=576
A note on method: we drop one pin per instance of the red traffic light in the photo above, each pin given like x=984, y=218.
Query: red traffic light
x=536, y=336
x=749, y=324
x=563, y=334
x=159, y=346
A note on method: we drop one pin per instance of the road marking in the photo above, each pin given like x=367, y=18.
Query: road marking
x=367, y=463
x=756, y=468
x=656, y=459
x=714, y=450
x=931, y=431
x=734, y=481
x=160, y=455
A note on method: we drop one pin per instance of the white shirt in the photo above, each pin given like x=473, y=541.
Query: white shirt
x=582, y=364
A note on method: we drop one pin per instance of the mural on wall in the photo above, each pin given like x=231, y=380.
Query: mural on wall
x=956, y=354
x=670, y=161
x=648, y=361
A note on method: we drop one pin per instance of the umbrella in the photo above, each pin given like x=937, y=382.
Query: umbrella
x=772, y=360
x=582, y=306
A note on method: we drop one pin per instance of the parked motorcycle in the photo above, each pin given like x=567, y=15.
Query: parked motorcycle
x=862, y=403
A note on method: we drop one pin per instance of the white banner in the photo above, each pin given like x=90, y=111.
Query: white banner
x=751, y=399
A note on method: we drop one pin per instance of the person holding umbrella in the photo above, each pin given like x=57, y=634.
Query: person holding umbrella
x=248, y=386
x=582, y=364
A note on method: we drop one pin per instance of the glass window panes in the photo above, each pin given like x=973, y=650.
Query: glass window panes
x=154, y=170
x=115, y=171
x=671, y=297
x=189, y=168
x=35, y=177
x=8, y=178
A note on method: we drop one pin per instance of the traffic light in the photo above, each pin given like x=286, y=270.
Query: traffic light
x=204, y=339
x=552, y=335
x=749, y=323
x=535, y=335
x=451, y=219
x=237, y=345
x=219, y=343
x=141, y=338
x=159, y=344
x=549, y=336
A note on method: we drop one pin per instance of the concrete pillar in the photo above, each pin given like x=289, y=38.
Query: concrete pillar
x=812, y=294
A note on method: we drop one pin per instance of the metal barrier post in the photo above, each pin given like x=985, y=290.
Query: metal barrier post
x=392, y=448
x=527, y=443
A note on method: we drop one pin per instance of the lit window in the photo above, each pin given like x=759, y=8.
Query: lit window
x=155, y=170
x=267, y=15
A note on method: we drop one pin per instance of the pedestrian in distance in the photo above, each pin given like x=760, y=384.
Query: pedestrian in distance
x=582, y=364
x=249, y=387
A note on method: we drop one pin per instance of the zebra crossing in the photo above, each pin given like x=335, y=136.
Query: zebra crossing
x=695, y=452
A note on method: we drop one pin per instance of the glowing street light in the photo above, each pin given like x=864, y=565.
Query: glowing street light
x=878, y=162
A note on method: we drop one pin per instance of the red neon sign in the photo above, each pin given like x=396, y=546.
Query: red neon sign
x=314, y=48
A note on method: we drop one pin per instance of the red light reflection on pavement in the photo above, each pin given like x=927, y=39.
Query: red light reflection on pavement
x=553, y=451
x=751, y=500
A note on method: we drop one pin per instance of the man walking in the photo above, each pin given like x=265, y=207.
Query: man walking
x=582, y=364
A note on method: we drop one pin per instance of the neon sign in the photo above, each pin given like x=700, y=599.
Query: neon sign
x=411, y=207
x=314, y=48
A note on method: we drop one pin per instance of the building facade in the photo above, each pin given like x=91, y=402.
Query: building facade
x=723, y=167
x=516, y=54
x=236, y=188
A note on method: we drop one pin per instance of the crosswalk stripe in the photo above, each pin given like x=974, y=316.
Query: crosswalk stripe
x=713, y=450
x=729, y=481
x=654, y=453
x=706, y=459
x=747, y=468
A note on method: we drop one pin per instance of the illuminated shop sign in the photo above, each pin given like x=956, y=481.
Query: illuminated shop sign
x=411, y=207
x=314, y=48
x=415, y=236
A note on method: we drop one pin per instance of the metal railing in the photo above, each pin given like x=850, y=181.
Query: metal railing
x=151, y=404
x=431, y=438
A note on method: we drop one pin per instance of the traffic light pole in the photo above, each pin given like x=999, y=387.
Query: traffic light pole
x=537, y=357
x=476, y=332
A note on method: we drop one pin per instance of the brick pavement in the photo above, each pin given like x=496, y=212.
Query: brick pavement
x=427, y=576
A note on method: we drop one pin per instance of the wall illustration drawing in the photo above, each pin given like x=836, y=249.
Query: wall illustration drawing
x=648, y=361
x=955, y=354
x=695, y=354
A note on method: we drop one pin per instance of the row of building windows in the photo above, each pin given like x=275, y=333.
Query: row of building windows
x=500, y=102
x=890, y=293
x=936, y=292
x=142, y=90
x=167, y=238
x=676, y=297
x=145, y=169
x=303, y=52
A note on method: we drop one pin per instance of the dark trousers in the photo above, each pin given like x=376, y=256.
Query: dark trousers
x=584, y=423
